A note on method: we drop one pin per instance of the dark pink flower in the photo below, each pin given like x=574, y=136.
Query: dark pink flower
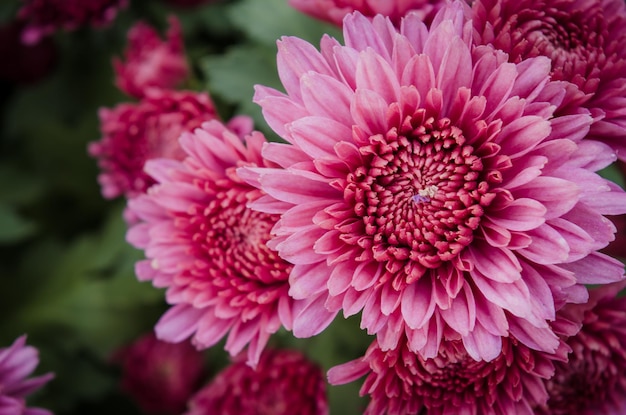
x=17, y=362
x=134, y=133
x=401, y=382
x=584, y=40
x=427, y=183
x=334, y=11
x=151, y=62
x=44, y=17
x=160, y=376
x=592, y=381
x=284, y=383
x=208, y=248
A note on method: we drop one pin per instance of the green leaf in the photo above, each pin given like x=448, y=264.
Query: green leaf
x=13, y=227
x=266, y=21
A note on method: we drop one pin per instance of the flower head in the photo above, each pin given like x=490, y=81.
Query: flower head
x=17, y=362
x=151, y=62
x=334, y=11
x=427, y=184
x=283, y=383
x=592, y=380
x=44, y=17
x=584, y=40
x=400, y=382
x=135, y=133
x=160, y=376
x=208, y=248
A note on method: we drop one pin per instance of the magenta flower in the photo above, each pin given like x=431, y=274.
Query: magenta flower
x=592, y=381
x=584, y=40
x=400, y=382
x=151, y=62
x=160, y=376
x=208, y=248
x=284, y=383
x=427, y=184
x=17, y=362
x=135, y=133
x=44, y=17
x=334, y=11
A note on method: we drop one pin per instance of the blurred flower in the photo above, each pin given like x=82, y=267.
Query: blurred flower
x=284, y=383
x=135, y=133
x=151, y=62
x=24, y=64
x=44, y=17
x=583, y=38
x=592, y=381
x=208, y=248
x=334, y=11
x=427, y=184
x=160, y=376
x=400, y=382
x=16, y=363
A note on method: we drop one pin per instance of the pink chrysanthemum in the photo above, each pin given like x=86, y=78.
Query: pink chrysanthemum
x=135, y=133
x=17, y=362
x=208, y=248
x=151, y=62
x=583, y=38
x=334, y=11
x=400, y=382
x=160, y=376
x=44, y=17
x=427, y=184
x=284, y=383
x=592, y=381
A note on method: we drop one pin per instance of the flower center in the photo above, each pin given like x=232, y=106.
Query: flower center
x=419, y=192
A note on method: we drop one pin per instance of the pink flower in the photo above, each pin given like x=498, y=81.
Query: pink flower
x=584, y=40
x=160, y=376
x=401, y=382
x=44, y=17
x=17, y=362
x=334, y=11
x=427, y=184
x=208, y=248
x=284, y=383
x=150, y=62
x=135, y=133
x=592, y=381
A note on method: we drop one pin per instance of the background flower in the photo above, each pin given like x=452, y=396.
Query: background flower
x=592, y=380
x=285, y=382
x=134, y=133
x=428, y=185
x=334, y=11
x=44, y=17
x=208, y=248
x=160, y=376
x=583, y=39
x=151, y=62
x=17, y=362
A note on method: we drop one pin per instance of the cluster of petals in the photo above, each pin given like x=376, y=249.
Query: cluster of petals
x=334, y=11
x=427, y=184
x=133, y=133
x=400, y=382
x=44, y=17
x=160, y=376
x=592, y=380
x=584, y=39
x=208, y=248
x=17, y=363
x=285, y=382
x=151, y=62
